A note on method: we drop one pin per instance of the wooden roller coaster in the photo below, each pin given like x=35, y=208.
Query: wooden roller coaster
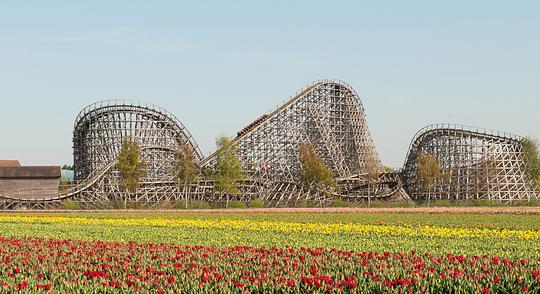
x=327, y=114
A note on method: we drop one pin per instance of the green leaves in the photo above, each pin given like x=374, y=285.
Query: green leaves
x=314, y=170
x=228, y=168
x=130, y=166
x=186, y=171
x=532, y=161
x=428, y=169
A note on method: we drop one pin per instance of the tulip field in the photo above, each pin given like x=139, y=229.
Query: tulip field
x=175, y=252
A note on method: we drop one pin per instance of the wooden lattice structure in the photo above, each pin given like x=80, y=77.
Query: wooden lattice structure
x=475, y=164
x=326, y=114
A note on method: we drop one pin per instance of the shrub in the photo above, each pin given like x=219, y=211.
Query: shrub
x=256, y=203
x=180, y=204
x=166, y=205
x=482, y=202
x=217, y=204
x=70, y=205
x=199, y=205
x=236, y=204
x=134, y=205
x=117, y=203
x=339, y=202
x=306, y=204
x=378, y=204
x=534, y=202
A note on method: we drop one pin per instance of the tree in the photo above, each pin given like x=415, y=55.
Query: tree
x=372, y=169
x=67, y=167
x=228, y=168
x=314, y=171
x=130, y=166
x=429, y=170
x=185, y=169
x=532, y=161
x=389, y=169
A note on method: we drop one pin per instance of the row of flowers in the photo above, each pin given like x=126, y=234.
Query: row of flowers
x=290, y=227
x=98, y=266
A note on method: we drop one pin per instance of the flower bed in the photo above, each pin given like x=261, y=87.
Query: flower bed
x=97, y=266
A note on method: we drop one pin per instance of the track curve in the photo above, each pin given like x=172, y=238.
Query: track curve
x=475, y=164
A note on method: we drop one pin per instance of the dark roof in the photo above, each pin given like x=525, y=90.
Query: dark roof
x=9, y=163
x=30, y=172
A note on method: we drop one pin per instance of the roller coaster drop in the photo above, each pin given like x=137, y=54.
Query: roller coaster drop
x=327, y=114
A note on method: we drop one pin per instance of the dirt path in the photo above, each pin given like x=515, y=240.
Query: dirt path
x=512, y=210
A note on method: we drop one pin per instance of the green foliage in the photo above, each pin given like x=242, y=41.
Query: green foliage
x=532, y=161
x=130, y=166
x=228, y=169
x=237, y=204
x=339, y=202
x=180, y=204
x=199, y=205
x=133, y=205
x=314, y=171
x=186, y=171
x=256, y=203
x=428, y=169
x=443, y=203
x=306, y=204
x=389, y=169
x=70, y=205
x=117, y=203
x=378, y=204
x=166, y=205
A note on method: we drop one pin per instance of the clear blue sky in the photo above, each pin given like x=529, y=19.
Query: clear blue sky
x=219, y=65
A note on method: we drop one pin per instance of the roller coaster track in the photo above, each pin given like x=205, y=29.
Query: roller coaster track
x=86, y=183
x=100, y=127
x=458, y=130
x=476, y=163
x=247, y=132
x=327, y=114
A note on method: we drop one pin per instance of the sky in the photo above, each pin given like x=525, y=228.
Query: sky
x=218, y=65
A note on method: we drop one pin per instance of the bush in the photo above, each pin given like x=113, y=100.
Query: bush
x=483, y=202
x=217, y=204
x=180, y=204
x=116, y=203
x=339, y=202
x=256, y=203
x=134, y=205
x=199, y=205
x=378, y=204
x=70, y=205
x=534, y=202
x=306, y=204
x=237, y=204
x=166, y=205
